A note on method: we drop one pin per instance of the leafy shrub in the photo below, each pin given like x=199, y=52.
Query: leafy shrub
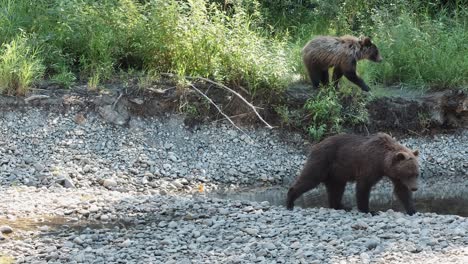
x=325, y=110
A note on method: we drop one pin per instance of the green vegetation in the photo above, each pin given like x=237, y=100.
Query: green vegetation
x=325, y=109
x=19, y=66
x=94, y=39
x=241, y=43
x=254, y=44
x=423, y=43
x=328, y=112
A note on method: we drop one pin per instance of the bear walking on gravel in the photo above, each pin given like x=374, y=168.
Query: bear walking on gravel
x=341, y=53
x=364, y=159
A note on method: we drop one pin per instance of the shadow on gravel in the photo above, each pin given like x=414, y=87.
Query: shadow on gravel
x=277, y=196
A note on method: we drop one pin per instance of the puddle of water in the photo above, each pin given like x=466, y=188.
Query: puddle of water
x=277, y=196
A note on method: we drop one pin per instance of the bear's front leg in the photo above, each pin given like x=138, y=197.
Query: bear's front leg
x=353, y=77
x=362, y=196
x=405, y=196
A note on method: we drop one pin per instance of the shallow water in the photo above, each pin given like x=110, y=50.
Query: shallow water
x=55, y=224
x=277, y=196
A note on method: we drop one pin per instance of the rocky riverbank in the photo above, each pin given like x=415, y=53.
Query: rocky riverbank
x=75, y=189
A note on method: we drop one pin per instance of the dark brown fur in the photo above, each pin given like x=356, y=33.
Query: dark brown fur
x=365, y=159
x=342, y=53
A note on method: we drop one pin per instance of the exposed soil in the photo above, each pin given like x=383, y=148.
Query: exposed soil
x=430, y=113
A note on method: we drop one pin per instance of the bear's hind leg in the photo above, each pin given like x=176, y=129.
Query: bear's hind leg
x=335, y=192
x=337, y=74
x=315, y=74
x=325, y=79
x=298, y=189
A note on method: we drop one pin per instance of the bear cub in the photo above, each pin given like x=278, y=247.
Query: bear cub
x=341, y=53
x=362, y=159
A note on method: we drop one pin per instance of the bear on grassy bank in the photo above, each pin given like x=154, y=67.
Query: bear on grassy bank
x=364, y=159
x=342, y=53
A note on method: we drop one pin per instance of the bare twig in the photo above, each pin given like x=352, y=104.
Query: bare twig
x=367, y=130
x=160, y=91
x=228, y=89
x=117, y=100
x=217, y=107
x=234, y=116
x=414, y=132
x=238, y=95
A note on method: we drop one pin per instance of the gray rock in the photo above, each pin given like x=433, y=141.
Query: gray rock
x=6, y=229
x=126, y=243
x=295, y=245
x=365, y=258
x=223, y=211
x=372, y=243
x=269, y=246
x=66, y=182
x=173, y=224
x=44, y=228
x=109, y=114
x=251, y=231
x=109, y=183
x=78, y=240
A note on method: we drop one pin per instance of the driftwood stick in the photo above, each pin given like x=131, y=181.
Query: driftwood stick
x=238, y=95
x=228, y=89
x=36, y=97
x=117, y=100
x=217, y=107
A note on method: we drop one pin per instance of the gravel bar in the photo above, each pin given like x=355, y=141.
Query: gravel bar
x=75, y=189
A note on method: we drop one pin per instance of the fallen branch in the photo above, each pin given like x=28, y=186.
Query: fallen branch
x=117, y=100
x=35, y=97
x=228, y=89
x=238, y=95
x=217, y=107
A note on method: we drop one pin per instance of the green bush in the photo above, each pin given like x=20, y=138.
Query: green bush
x=20, y=66
x=325, y=110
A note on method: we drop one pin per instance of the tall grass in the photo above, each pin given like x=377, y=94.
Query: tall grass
x=20, y=66
x=199, y=39
x=254, y=44
x=424, y=44
x=428, y=53
x=96, y=38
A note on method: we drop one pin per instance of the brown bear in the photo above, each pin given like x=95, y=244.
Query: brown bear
x=342, y=53
x=364, y=159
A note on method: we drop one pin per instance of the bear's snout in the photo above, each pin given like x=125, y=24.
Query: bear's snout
x=411, y=183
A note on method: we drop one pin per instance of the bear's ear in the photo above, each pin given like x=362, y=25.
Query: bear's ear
x=399, y=156
x=366, y=41
x=416, y=153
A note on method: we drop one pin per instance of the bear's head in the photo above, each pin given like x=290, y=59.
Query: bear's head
x=369, y=50
x=405, y=168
